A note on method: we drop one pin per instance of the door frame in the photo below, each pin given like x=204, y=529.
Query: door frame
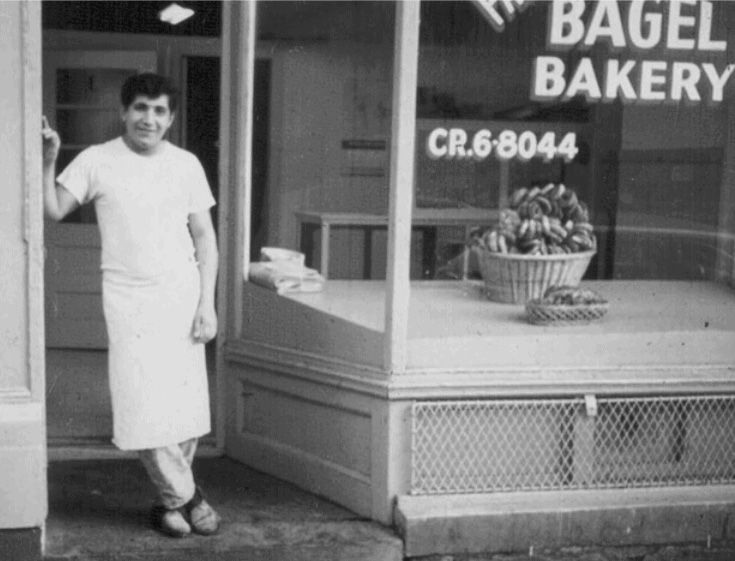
x=22, y=384
x=234, y=136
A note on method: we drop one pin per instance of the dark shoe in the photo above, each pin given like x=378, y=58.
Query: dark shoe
x=170, y=522
x=203, y=518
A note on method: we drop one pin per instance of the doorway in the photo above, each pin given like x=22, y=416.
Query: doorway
x=95, y=41
x=88, y=48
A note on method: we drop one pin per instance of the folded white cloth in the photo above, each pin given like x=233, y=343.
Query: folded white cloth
x=282, y=254
x=285, y=276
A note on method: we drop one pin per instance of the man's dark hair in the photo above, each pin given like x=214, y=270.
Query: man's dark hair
x=149, y=85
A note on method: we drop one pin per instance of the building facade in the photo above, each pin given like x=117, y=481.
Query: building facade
x=374, y=137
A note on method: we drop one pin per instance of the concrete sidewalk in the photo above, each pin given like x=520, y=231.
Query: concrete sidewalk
x=99, y=512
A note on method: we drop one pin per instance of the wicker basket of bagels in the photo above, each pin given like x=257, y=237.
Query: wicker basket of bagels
x=544, y=239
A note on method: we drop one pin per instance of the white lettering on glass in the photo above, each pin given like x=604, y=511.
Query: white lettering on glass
x=548, y=77
x=652, y=76
x=718, y=81
x=644, y=25
x=618, y=80
x=636, y=26
x=433, y=149
x=584, y=81
x=489, y=9
x=647, y=80
x=684, y=78
x=606, y=24
x=686, y=27
x=507, y=145
x=705, y=29
x=676, y=22
x=565, y=24
x=456, y=144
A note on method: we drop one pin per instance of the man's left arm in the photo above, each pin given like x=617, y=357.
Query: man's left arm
x=204, y=327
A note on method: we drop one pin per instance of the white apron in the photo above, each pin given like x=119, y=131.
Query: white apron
x=157, y=373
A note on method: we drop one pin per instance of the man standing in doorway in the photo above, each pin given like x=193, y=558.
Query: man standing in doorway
x=159, y=264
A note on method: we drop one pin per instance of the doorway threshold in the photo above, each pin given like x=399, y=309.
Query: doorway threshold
x=68, y=449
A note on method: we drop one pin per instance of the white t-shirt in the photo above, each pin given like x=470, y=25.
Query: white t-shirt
x=142, y=203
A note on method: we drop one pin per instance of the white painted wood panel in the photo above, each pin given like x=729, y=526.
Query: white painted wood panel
x=403, y=133
x=337, y=435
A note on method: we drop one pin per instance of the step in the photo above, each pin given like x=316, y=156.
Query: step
x=528, y=521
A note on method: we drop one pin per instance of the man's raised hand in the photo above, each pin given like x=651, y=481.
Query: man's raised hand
x=51, y=143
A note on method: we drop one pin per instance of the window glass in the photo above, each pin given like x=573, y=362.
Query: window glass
x=329, y=126
x=627, y=104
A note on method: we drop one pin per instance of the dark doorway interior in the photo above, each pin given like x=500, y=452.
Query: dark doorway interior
x=202, y=115
x=140, y=16
x=261, y=119
x=202, y=134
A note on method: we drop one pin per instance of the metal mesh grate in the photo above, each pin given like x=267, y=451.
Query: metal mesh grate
x=504, y=445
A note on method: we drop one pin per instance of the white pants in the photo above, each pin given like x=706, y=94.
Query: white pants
x=169, y=468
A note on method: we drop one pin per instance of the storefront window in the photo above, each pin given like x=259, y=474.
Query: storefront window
x=628, y=104
x=326, y=194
